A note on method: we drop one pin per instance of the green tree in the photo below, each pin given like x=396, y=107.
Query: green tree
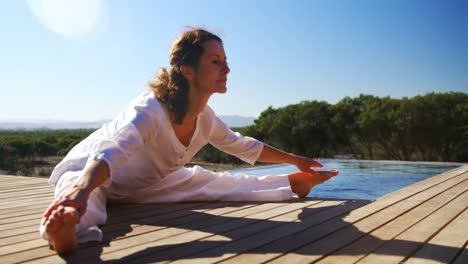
x=349, y=134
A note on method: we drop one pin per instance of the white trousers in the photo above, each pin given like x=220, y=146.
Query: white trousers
x=184, y=185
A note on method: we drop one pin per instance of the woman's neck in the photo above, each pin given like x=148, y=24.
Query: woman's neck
x=197, y=103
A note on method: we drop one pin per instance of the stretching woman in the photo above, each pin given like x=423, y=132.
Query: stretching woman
x=139, y=156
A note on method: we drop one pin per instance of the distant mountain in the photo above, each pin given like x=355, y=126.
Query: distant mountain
x=45, y=125
x=232, y=121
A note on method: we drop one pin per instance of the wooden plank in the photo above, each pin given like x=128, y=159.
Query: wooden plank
x=26, y=200
x=413, y=238
x=20, y=238
x=33, y=227
x=21, y=205
x=17, y=196
x=21, y=247
x=315, y=251
x=36, y=214
x=18, y=182
x=20, y=227
x=444, y=247
x=4, y=181
x=7, y=180
x=48, y=256
x=146, y=228
x=23, y=217
x=25, y=188
x=132, y=212
x=5, y=217
x=183, y=218
x=163, y=209
x=229, y=223
x=296, y=222
x=185, y=249
x=376, y=238
x=20, y=224
x=462, y=258
x=176, y=217
x=304, y=246
x=172, y=235
x=153, y=209
x=22, y=210
x=7, y=234
x=22, y=187
x=153, y=223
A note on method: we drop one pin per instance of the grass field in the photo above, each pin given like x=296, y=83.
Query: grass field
x=44, y=167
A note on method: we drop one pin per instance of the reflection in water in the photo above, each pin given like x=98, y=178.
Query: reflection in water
x=364, y=179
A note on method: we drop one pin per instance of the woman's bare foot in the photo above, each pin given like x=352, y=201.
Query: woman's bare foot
x=60, y=229
x=302, y=182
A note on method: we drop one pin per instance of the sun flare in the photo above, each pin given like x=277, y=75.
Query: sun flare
x=69, y=18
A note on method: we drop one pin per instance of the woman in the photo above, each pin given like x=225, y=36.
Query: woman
x=139, y=156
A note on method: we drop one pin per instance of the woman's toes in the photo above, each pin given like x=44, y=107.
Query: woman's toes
x=70, y=217
x=52, y=225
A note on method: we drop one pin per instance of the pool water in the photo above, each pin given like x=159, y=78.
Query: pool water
x=366, y=180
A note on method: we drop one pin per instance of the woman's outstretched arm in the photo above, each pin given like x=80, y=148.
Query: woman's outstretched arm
x=274, y=155
x=95, y=174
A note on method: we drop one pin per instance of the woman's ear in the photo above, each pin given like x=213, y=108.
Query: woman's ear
x=187, y=72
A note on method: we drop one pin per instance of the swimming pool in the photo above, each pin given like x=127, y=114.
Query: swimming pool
x=363, y=179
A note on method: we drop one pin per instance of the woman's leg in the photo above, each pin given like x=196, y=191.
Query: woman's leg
x=198, y=184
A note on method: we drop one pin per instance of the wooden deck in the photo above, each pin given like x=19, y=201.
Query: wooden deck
x=423, y=223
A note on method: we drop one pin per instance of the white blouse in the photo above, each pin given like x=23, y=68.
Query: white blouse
x=140, y=145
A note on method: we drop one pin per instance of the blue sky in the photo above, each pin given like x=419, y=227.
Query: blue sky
x=86, y=65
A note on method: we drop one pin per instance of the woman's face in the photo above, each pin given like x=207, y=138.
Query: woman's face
x=211, y=75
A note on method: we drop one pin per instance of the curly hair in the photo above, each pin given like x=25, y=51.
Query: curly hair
x=170, y=87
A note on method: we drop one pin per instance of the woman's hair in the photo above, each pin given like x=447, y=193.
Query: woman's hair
x=171, y=88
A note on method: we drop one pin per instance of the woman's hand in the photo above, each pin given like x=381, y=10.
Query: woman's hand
x=76, y=198
x=305, y=164
x=95, y=174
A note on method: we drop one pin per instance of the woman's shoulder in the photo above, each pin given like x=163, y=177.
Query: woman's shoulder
x=210, y=119
x=208, y=113
x=148, y=103
x=145, y=112
x=147, y=98
x=143, y=109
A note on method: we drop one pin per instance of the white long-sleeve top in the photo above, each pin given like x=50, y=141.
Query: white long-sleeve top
x=140, y=145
